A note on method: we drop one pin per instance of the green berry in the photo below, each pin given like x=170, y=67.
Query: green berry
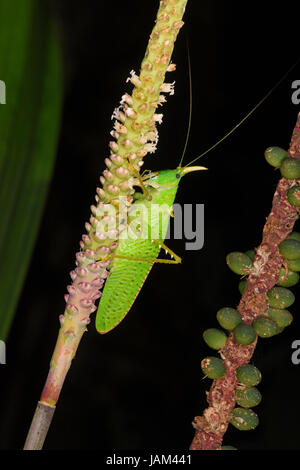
x=293, y=264
x=294, y=236
x=244, y=334
x=265, y=327
x=290, y=168
x=248, y=375
x=238, y=262
x=242, y=285
x=213, y=367
x=228, y=318
x=280, y=297
x=244, y=419
x=251, y=254
x=282, y=317
x=290, y=249
x=228, y=448
x=293, y=196
x=275, y=155
x=248, y=397
x=287, y=279
x=215, y=338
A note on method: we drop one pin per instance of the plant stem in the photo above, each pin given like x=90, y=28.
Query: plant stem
x=39, y=427
x=70, y=334
x=135, y=135
x=211, y=427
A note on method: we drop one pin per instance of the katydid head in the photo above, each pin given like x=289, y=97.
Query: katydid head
x=171, y=178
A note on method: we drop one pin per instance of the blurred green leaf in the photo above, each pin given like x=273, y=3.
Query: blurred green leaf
x=30, y=66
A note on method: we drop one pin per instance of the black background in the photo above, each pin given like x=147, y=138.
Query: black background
x=140, y=386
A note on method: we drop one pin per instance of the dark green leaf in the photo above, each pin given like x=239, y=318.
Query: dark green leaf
x=30, y=66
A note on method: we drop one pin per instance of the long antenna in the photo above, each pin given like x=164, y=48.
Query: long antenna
x=191, y=105
x=247, y=115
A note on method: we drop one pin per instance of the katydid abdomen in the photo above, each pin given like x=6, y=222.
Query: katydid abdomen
x=125, y=280
x=134, y=257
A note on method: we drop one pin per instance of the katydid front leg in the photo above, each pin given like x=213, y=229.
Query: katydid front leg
x=176, y=260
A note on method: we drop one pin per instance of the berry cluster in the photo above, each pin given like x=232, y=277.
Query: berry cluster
x=273, y=320
x=271, y=323
x=289, y=168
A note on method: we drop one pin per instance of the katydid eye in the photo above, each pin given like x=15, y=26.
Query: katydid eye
x=177, y=175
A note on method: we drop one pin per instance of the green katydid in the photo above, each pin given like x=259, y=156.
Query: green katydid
x=133, y=259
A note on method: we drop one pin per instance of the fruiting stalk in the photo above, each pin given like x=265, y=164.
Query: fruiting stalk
x=263, y=275
x=134, y=135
